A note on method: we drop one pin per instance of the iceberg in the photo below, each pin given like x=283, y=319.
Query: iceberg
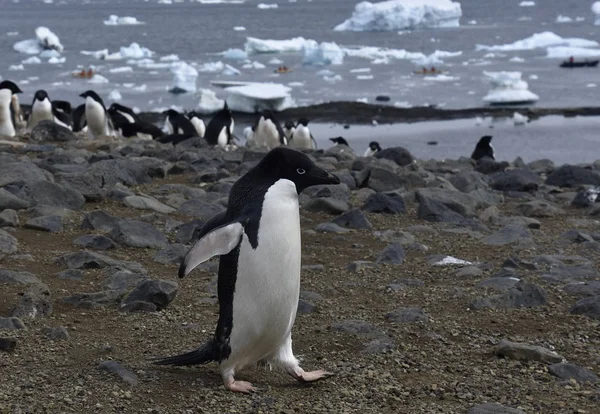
x=47, y=39
x=97, y=79
x=55, y=60
x=540, y=40
x=508, y=88
x=254, y=97
x=114, y=20
x=565, y=52
x=596, y=11
x=114, y=95
x=235, y=54
x=49, y=53
x=396, y=15
x=519, y=119
x=32, y=60
x=326, y=53
x=254, y=45
x=184, y=78
x=29, y=47
x=16, y=67
x=135, y=51
x=209, y=103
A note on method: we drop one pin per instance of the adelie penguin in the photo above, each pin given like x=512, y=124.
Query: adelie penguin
x=258, y=241
x=288, y=129
x=120, y=115
x=483, y=148
x=197, y=122
x=129, y=124
x=339, y=141
x=41, y=109
x=62, y=113
x=10, y=110
x=372, y=149
x=268, y=132
x=178, y=124
x=97, y=118
x=219, y=131
x=301, y=137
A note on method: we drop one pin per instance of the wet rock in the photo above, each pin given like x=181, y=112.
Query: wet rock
x=8, y=344
x=136, y=233
x=493, y=408
x=306, y=307
x=99, y=220
x=379, y=346
x=116, y=368
x=93, y=260
x=331, y=228
x=9, y=200
x=582, y=289
x=353, y=219
x=526, y=352
x=539, y=208
x=52, y=224
x=94, y=241
x=388, y=203
x=35, y=303
x=566, y=372
x=407, y=315
x=589, y=307
x=392, y=254
x=360, y=265
x=522, y=295
x=327, y=205
x=357, y=327
x=9, y=218
x=10, y=277
x=200, y=209
x=57, y=333
x=399, y=155
x=11, y=324
x=51, y=194
x=522, y=180
x=158, y=292
x=147, y=203
x=172, y=254
x=573, y=176
x=50, y=131
x=507, y=235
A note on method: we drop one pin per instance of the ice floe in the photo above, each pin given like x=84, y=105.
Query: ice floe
x=508, y=88
x=383, y=55
x=441, y=78
x=97, y=79
x=16, y=67
x=326, y=53
x=114, y=20
x=254, y=65
x=275, y=61
x=33, y=60
x=265, y=6
x=519, y=119
x=209, y=103
x=211, y=67
x=364, y=77
x=254, y=97
x=235, y=54
x=254, y=45
x=540, y=40
x=402, y=14
x=239, y=28
x=133, y=51
x=29, y=47
x=527, y=4
x=169, y=58
x=114, y=95
x=184, y=78
x=516, y=59
x=596, y=11
x=565, y=52
x=563, y=19
x=45, y=40
x=229, y=70
x=54, y=60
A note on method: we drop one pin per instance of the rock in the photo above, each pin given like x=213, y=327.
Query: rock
x=378, y=346
x=357, y=327
x=573, y=176
x=544, y=166
x=52, y=224
x=35, y=303
x=522, y=295
x=122, y=280
x=353, y=219
x=589, y=307
x=305, y=307
x=392, y=254
x=51, y=194
x=200, y=209
x=50, y=131
x=566, y=372
x=331, y=228
x=382, y=179
x=507, y=235
x=99, y=220
x=11, y=324
x=526, y=352
x=93, y=260
x=116, y=368
x=561, y=273
x=8, y=244
x=338, y=191
x=407, y=315
x=395, y=236
x=493, y=408
x=10, y=201
x=95, y=299
x=399, y=155
x=436, y=211
x=463, y=204
x=57, y=333
x=389, y=203
x=136, y=233
x=499, y=283
x=8, y=344
x=154, y=167
x=360, y=265
x=70, y=274
x=576, y=236
x=158, y=292
x=22, y=278
x=94, y=241
x=147, y=203
x=138, y=306
x=327, y=205
x=469, y=271
x=467, y=181
x=591, y=288
x=9, y=218
x=172, y=254
x=19, y=172
x=488, y=166
x=539, y=208
x=522, y=180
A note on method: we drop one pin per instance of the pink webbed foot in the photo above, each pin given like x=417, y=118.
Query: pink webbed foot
x=240, y=386
x=301, y=376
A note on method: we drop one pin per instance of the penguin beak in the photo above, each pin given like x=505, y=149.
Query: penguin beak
x=321, y=177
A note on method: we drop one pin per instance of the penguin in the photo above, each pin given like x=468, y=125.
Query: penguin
x=483, y=148
x=41, y=109
x=61, y=110
x=176, y=123
x=339, y=141
x=141, y=129
x=372, y=149
x=258, y=241
x=97, y=119
x=198, y=123
x=175, y=139
x=10, y=109
x=268, y=132
x=123, y=111
x=301, y=137
x=219, y=130
x=249, y=135
x=79, y=122
x=288, y=130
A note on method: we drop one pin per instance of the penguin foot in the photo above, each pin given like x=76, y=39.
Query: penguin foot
x=240, y=386
x=302, y=376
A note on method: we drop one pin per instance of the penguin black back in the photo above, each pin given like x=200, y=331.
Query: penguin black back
x=483, y=148
x=181, y=125
x=220, y=120
x=10, y=85
x=94, y=96
x=339, y=141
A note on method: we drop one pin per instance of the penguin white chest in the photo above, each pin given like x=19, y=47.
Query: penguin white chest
x=223, y=138
x=199, y=126
x=369, y=152
x=271, y=134
x=40, y=111
x=6, y=125
x=96, y=118
x=301, y=137
x=268, y=281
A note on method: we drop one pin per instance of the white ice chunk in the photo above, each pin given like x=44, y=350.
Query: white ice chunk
x=97, y=79
x=539, y=40
x=29, y=47
x=184, y=77
x=402, y=104
x=114, y=95
x=395, y=15
x=235, y=54
x=267, y=6
x=507, y=87
x=16, y=67
x=449, y=260
x=596, y=11
x=254, y=45
x=326, y=53
x=275, y=61
x=527, y=4
x=121, y=69
x=519, y=119
x=56, y=60
x=212, y=67
x=254, y=65
x=516, y=59
x=209, y=103
x=239, y=28
x=33, y=60
x=114, y=20
x=441, y=78
x=47, y=39
x=562, y=52
x=135, y=51
x=49, y=53
x=169, y=58
x=383, y=55
x=364, y=77
x=230, y=71
x=563, y=19
x=140, y=88
x=255, y=97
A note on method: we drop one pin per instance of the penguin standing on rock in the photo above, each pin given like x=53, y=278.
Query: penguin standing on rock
x=219, y=131
x=483, y=148
x=373, y=148
x=268, y=132
x=197, y=122
x=258, y=241
x=288, y=130
x=97, y=118
x=178, y=124
x=41, y=109
x=10, y=109
x=301, y=137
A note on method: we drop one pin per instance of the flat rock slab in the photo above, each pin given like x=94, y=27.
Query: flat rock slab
x=92, y=260
x=353, y=219
x=147, y=203
x=571, y=371
x=493, y=408
x=52, y=194
x=11, y=324
x=172, y=254
x=388, y=203
x=99, y=220
x=9, y=200
x=52, y=224
x=539, y=208
x=158, y=292
x=8, y=244
x=23, y=278
x=522, y=295
x=526, y=352
x=510, y=234
x=94, y=241
x=589, y=307
x=9, y=218
x=136, y=233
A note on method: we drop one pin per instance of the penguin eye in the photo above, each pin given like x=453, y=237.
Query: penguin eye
x=300, y=171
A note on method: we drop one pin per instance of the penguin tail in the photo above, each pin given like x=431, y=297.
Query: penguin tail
x=203, y=355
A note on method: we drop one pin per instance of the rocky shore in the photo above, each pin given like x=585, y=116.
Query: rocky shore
x=427, y=286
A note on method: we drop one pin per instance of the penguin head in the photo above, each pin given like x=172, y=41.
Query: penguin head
x=63, y=106
x=191, y=115
x=170, y=112
x=40, y=95
x=11, y=86
x=303, y=121
x=92, y=95
x=339, y=140
x=485, y=140
x=374, y=145
x=289, y=125
x=289, y=164
x=226, y=107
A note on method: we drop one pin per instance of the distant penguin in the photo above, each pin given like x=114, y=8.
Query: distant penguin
x=301, y=137
x=97, y=119
x=178, y=124
x=41, y=109
x=258, y=239
x=339, y=141
x=483, y=148
x=9, y=108
x=219, y=131
x=61, y=110
x=197, y=122
x=372, y=149
x=249, y=136
x=288, y=129
x=268, y=132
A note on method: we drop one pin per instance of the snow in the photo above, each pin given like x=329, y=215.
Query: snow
x=519, y=119
x=97, y=79
x=395, y=15
x=114, y=20
x=563, y=19
x=265, y=6
x=562, y=52
x=184, y=77
x=539, y=40
x=239, y=28
x=209, y=103
x=114, y=95
x=235, y=54
x=33, y=60
x=255, y=97
x=254, y=45
x=450, y=260
x=47, y=39
x=326, y=53
x=527, y=4
x=212, y=67
x=596, y=11
x=507, y=87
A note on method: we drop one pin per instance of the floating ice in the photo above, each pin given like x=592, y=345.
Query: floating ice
x=47, y=39
x=362, y=100
x=121, y=69
x=563, y=19
x=519, y=119
x=275, y=61
x=97, y=79
x=360, y=70
x=16, y=67
x=441, y=78
x=254, y=65
x=114, y=20
x=135, y=51
x=47, y=54
x=364, y=77
x=333, y=78
x=326, y=53
x=539, y=40
x=209, y=103
x=33, y=60
x=516, y=59
x=267, y=6
x=254, y=45
x=169, y=58
x=527, y=4
x=184, y=77
x=402, y=104
x=239, y=28
x=508, y=88
x=114, y=95
x=230, y=71
x=140, y=88
x=596, y=11
x=402, y=14
x=561, y=52
x=254, y=97
x=235, y=54
x=29, y=47
x=56, y=60
x=383, y=55
x=165, y=2
x=12, y=33
x=212, y=67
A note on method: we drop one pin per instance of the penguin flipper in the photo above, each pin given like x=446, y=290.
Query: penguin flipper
x=314, y=141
